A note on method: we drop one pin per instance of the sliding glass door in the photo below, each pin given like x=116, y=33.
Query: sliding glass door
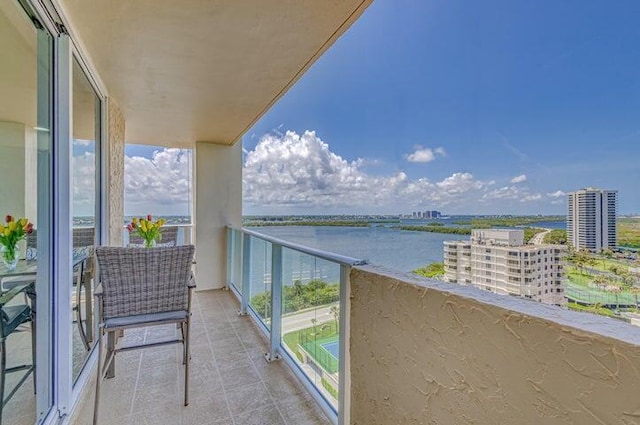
x=26, y=54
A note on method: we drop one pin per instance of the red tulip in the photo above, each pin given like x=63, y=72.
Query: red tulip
x=8, y=218
x=149, y=217
x=29, y=228
x=130, y=227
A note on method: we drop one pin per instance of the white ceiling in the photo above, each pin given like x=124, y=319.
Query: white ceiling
x=203, y=70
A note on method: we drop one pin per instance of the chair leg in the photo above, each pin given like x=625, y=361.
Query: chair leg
x=3, y=368
x=184, y=345
x=96, y=400
x=111, y=346
x=33, y=350
x=187, y=360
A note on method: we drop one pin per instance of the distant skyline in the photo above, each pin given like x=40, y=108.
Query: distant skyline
x=496, y=107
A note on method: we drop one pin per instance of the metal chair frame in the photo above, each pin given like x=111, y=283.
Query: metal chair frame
x=106, y=369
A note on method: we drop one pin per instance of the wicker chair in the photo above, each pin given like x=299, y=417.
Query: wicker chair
x=142, y=287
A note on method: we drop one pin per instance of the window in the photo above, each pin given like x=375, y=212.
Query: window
x=26, y=159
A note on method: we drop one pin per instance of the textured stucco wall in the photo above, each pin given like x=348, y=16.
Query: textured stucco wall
x=218, y=200
x=115, y=166
x=424, y=352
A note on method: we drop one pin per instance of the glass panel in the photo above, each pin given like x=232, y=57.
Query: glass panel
x=260, y=289
x=84, y=163
x=311, y=297
x=25, y=164
x=236, y=260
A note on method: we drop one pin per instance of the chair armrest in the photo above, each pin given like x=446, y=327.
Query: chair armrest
x=98, y=291
x=192, y=282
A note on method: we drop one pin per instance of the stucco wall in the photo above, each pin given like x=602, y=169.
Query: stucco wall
x=424, y=352
x=115, y=165
x=218, y=200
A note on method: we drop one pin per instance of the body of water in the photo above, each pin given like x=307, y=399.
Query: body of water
x=397, y=249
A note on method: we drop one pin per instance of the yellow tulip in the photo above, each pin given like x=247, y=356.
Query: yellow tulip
x=23, y=222
x=1, y=228
x=7, y=231
x=143, y=226
x=161, y=222
x=12, y=226
x=134, y=220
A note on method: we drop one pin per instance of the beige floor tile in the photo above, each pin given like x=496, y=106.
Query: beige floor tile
x=230, y=382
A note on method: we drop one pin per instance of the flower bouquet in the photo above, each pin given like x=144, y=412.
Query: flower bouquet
x=12, y=232
x=147, y=229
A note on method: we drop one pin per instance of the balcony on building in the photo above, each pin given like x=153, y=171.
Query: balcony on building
x=396, y=349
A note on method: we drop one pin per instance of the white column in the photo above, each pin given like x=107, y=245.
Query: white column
x=218, y=200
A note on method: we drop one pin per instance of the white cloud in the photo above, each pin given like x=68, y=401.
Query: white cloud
x=512, y=193
x=83, y=177
x=158, y=185
x=519, y=179
x=425, y=154
x=557, y=194
x=531, y=197
x=300, y=170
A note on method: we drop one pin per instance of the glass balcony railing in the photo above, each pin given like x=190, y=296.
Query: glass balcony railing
x=299, y=296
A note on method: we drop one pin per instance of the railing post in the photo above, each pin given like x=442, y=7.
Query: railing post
x=246, y=274
x=344, y=361
x=229, y=257
x=276, y=303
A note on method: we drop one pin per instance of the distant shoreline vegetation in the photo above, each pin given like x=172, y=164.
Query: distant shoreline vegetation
x=308, y=223
x=488, y=222
x=436, y=229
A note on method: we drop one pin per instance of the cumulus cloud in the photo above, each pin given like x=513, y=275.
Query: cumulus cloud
x=519, y=179
x=531, y=197
x=557, y=194
x=512, y=192
x=425, y=154
x=301, y=170
x=83, y=185
x=160, y=184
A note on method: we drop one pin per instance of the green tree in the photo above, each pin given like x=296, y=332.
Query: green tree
x=433, y=270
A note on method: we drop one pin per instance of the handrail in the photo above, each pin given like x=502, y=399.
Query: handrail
x=329, y=256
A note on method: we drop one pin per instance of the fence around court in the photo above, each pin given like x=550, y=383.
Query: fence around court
x=604, y=298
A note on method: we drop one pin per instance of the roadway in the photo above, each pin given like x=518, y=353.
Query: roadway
x=539, y=237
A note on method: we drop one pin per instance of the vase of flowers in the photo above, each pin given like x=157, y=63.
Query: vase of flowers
x=150, y=231
x=11, y=232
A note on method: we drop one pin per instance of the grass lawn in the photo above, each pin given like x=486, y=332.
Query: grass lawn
x=591, y=309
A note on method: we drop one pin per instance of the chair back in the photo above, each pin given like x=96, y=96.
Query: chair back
x=144, y=280
x=83, y=236
x=169, y=237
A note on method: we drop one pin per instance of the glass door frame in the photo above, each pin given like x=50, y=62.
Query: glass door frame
x=64, y=394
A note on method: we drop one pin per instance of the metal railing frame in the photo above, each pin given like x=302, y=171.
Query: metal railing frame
x=239, y=260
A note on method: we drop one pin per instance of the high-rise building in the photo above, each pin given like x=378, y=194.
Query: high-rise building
x=591, y=219
x=497, y=260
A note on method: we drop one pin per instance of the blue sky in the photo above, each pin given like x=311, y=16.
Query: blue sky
x=508, y=104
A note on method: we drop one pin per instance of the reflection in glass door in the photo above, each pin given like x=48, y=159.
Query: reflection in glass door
x=25, y=210
x=84, y=177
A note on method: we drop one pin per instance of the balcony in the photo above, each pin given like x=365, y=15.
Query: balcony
x=385, y=314
x=230, y=380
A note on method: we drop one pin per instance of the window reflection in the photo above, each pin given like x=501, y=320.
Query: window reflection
x=86, y=109
x=25, y=186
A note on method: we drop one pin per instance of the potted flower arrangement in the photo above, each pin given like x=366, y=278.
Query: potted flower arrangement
x=12, y=232
x=147, y=229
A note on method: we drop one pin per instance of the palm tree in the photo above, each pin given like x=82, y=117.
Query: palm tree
x=335, y=311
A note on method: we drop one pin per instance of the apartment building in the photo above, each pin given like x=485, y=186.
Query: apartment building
x=497, y=260
x=591, y=219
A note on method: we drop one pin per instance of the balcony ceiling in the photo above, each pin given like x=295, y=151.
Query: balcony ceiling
x=203, y=70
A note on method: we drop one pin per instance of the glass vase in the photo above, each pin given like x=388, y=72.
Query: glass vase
x=151, y=243
x=10, y=256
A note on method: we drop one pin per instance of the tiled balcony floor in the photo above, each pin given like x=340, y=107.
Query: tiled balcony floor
x=230, y=381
